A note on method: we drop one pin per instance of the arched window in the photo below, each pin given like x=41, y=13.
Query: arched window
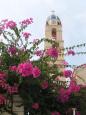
x=54, y=33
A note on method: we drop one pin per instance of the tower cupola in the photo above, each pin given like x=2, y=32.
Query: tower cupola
x=53, y=19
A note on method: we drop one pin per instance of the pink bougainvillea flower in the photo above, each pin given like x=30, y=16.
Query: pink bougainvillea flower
x=35, y=106
x=12, y=89
x=2, y=75
x=71, y=52
x=44, y=85
x=13, y=68
x=2, y=99
x=78, y=113
x=10, y=24
x=3, y=84
x=26, y=35
x=4, y=20
x=26, y=22
x=64, y=95
x=74, y=87
x=52, y=52
x=36, y=72
x=55, y=113
x=39, y=53
x=64, y=62
x=31, y=19
x=3, y=24
x=2, y=27
x=8, y=88
x=25, y=69
x=35, y=41
x=12, y=50
x=67, y=73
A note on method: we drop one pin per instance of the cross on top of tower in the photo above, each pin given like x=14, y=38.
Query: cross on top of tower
x=53, y=12
x=53, y=19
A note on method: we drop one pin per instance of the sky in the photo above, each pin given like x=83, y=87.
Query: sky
x=72, y=14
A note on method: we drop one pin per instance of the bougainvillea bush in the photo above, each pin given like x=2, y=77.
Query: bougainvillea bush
x=35, y=81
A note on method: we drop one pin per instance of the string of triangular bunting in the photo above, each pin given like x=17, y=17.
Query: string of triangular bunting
x=74, y=46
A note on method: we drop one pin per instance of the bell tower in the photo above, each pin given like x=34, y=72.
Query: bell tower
x=53, y=30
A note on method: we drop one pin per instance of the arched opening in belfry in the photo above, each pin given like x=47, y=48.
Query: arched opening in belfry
x=54, y=33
